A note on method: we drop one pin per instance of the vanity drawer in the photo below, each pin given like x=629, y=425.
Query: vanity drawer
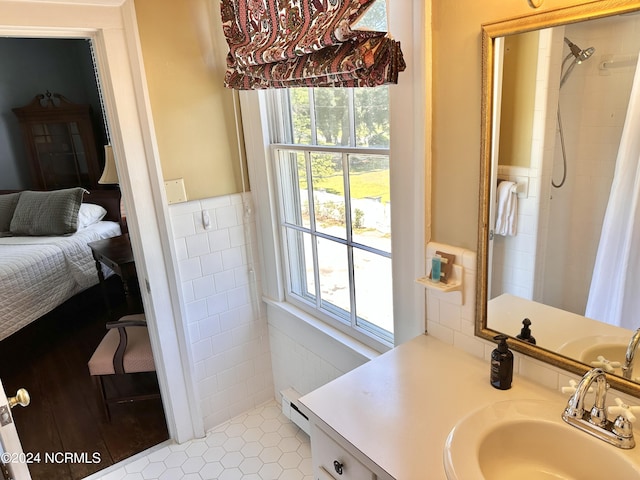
x=331, y=461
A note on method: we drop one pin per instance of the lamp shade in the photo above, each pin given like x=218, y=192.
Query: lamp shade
x=109, y=174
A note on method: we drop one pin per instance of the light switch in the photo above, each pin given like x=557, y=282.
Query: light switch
x=175, y=191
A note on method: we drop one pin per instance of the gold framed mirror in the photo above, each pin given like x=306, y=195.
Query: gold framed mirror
x=557, y=323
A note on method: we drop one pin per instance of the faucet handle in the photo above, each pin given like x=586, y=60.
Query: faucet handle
x=573, y=385
x=623, y=410
x=623, y=424
x=607, y=365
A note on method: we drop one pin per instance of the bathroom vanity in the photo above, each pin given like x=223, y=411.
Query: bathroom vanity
x=389, y=419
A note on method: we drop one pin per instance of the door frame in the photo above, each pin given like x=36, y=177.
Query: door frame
x=112, y=26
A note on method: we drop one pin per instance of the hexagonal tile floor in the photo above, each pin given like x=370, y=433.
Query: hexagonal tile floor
x=261, y=444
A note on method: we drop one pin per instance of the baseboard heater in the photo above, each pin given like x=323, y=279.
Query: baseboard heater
x=291, y=410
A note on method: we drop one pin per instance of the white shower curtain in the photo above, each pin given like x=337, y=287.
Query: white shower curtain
x=614, y=296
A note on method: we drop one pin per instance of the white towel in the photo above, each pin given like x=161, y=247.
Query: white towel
x=507, y=209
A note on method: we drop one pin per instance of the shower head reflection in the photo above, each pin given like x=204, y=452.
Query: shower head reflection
x=577, y=55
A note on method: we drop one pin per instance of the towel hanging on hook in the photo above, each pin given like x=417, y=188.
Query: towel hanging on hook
x=507, y=209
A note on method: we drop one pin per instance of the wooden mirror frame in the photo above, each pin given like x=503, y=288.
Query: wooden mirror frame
x=490, y=32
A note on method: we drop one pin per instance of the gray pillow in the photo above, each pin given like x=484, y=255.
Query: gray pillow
x=8, y=204
x=47, y=213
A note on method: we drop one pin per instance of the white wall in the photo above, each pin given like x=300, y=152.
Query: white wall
x=305, y=357
x=225, y=317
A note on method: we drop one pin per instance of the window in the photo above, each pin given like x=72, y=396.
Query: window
x=330, y=149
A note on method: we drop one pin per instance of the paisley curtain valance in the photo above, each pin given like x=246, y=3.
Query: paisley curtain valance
x=291, y=43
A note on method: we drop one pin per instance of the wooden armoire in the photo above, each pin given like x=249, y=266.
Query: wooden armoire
x=60, y=143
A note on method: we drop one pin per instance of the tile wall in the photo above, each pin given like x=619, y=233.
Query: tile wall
x=451, y=317
x=235, y=367
x=306, y=354
x=226, y=320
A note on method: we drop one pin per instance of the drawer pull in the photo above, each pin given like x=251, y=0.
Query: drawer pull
x=338, y=467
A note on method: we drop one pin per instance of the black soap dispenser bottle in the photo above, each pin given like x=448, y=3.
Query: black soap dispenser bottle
x=525, y=333
x=501, y=364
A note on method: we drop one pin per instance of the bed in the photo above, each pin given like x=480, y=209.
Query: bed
x=42, y=264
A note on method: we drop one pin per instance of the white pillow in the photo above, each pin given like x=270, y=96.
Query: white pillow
x=89, y=214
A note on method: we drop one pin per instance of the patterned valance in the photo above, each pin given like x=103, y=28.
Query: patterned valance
x=292, y=43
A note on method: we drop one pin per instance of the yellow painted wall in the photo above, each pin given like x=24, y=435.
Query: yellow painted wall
x=184, y=57
x=193, y=112
x=457, y=66
x=518, y=99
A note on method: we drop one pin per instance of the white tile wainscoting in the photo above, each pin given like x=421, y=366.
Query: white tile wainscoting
x=226, y=320
x=235, y=367
x=451, y=320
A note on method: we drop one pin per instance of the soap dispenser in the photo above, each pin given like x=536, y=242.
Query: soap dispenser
x=501, y=364
x=525, y=333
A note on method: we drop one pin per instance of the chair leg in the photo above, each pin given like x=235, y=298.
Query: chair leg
x=102, y=396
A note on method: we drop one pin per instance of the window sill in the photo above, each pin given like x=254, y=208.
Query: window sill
x=342, y=338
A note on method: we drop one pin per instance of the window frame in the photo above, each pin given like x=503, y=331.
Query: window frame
x=411, y=108
x=371, y=334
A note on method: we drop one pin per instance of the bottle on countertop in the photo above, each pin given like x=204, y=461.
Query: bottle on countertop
x=501, y=364
x=525, y=333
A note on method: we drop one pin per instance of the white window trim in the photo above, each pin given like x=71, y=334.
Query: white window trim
x=350, y=327
x=408, y=111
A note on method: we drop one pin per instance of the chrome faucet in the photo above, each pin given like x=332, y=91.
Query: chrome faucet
x=594, y=421
x=627, y=368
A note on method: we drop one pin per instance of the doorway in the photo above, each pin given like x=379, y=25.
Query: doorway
x=111, y=25
x=64, y=415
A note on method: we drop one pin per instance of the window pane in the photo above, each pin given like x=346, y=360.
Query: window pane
x=336, y=204
x=372, y=117
x=370, y=205
x=328, y=193
x=332, y=116
x=293, y=177
x=374, y=19
x=300, y=115
x=374, y=297
x=300, y=256
x=334, y=278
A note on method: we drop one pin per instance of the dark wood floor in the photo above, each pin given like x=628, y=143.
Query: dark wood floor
x=49, y=359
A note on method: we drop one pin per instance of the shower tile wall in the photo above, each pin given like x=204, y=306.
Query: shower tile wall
x=226, y=322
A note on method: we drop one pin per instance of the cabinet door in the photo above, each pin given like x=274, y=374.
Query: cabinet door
x=60, y=143
x=60, y=155
x=331, y=461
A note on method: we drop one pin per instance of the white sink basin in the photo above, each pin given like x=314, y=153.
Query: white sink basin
x=588, y=349
x=527, y=439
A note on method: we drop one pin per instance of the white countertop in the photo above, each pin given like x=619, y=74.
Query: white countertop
x=399, y=408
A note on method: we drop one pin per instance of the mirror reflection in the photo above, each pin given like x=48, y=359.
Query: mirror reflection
x=564, y=214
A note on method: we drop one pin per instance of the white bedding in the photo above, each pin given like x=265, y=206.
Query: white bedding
x=39, y=273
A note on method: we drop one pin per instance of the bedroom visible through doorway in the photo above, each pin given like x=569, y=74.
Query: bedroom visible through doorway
x=64, y=413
